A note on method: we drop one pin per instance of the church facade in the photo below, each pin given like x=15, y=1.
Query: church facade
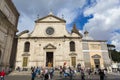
x=51, y=45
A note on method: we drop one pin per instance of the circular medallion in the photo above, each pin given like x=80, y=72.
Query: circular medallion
x=49, y=30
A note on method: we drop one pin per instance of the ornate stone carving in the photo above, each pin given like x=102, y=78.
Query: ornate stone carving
x=49, y=46
x=96, y=56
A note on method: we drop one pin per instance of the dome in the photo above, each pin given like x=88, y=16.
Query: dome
x=86, y=36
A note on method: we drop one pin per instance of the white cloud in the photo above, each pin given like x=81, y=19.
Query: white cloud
x=102, y=26
x=116, y=40
x=31, y=8
x=105, y=21
x=28, y=23
x=69, y=16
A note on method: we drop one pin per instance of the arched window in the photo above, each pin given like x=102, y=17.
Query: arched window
x=72, y=46
x=26, y=46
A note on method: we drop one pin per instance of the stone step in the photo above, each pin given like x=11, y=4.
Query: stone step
x=27, y=73
x=20, y=73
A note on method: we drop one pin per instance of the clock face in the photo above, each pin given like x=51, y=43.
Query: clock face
x=49, y=30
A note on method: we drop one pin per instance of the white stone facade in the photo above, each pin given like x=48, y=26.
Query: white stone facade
x=41, y=43
x=54, y=42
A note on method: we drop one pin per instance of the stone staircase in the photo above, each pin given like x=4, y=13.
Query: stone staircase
x=20, y=73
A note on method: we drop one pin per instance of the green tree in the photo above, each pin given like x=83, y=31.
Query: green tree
x=113, y=53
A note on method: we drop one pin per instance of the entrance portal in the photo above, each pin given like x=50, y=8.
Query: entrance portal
x=49, y=59
x=97, y=63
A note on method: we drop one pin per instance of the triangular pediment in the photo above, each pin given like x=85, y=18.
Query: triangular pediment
x=96, y=56
x=50, y=18
x=49, y=46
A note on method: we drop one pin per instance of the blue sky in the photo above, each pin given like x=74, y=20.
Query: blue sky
x=100, y=17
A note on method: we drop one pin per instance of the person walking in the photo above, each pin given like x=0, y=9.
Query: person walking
x=2, y=75
x=102, y=75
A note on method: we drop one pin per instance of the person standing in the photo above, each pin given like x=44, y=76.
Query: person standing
x=33, y=75
x=61, y=71
x=71, y=72
x=51, y=72
x=2, y=75
x=79, y=67
x=46, y=77
x=89, y=73
x=82, y=74
x=102, y=75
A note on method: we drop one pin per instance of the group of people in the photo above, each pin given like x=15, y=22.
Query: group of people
x=47, y=73
x=71, y=72
x=44, y=73
x=2, y=75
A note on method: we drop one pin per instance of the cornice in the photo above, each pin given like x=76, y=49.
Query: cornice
x=94, y=40
x=25, y=54
x=7, y=22
x=49, y=37
x=50, y=22
x=12, y=7
x=39, y=20
x=73, y=54
x=14, y=10
x=2, y=14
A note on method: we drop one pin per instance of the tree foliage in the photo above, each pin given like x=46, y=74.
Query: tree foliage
x=115, y=55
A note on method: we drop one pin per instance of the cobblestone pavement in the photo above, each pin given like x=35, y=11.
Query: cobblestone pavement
x=19, y=76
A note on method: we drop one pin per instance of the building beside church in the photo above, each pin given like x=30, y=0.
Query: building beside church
x=51, y=45
x=8, y=28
